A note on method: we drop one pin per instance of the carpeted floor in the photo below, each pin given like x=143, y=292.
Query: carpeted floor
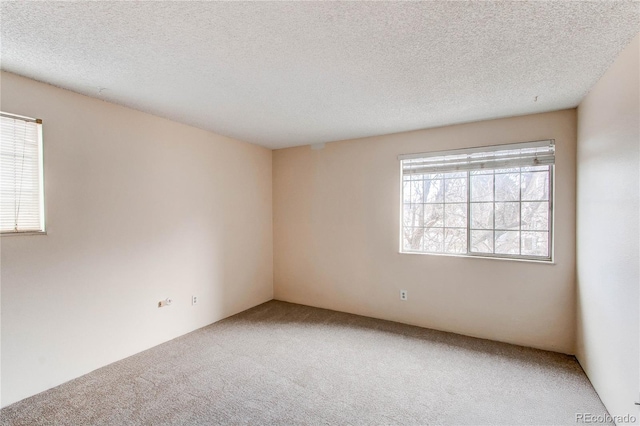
x=281, y=363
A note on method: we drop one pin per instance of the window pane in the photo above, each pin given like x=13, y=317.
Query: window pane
x=417, y=191
x=535, y=243
x=455, y=190
x=482, y=215
x=455, y=240
x=482, y=187
x=507, y=242
x=412, y=215
x=535, y=216
x=455, y=175
x=508, y=187
x=455, y=215
x=535, y=186
x=509, y=170
x=412, y=238
x=433, y=215
x=482, y=241
x=434, y=191
x=507, y=215
x=433, y=176
x=406, y=192
x=433, y=240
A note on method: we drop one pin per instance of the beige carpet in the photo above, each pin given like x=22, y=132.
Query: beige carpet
x=281, y=363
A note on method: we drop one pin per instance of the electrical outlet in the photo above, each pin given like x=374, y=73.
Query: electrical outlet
x=403, y=294
x=194, y=300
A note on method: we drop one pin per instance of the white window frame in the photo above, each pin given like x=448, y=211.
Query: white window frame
x=42, y=228
x=485, y=149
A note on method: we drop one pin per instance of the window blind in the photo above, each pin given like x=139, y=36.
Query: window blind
x=525, y=154
x=21, y=180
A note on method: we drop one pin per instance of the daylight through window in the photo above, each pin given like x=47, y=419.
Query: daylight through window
x=21, y=180
x=491, y=201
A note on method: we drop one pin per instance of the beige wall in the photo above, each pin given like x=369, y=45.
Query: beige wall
x=139, y=208
x=608, y=235
x=336, y=238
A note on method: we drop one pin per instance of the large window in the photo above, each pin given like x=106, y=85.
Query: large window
x=21, y=178
x=492, y=201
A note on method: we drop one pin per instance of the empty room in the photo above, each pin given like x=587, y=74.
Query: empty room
x=349, y=213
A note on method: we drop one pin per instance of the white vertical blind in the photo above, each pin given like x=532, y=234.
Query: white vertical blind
x=21, y=192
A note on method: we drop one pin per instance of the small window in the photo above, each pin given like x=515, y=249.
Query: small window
x=21, y=175
x=491, y=201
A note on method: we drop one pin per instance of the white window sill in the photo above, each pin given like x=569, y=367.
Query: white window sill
x=25, y=233
x=464, y=256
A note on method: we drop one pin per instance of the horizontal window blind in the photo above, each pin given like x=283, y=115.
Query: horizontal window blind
x=526, y=154
x=21, y=180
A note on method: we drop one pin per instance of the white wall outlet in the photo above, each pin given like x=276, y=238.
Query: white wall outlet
x=403, y=294
x=194, y=300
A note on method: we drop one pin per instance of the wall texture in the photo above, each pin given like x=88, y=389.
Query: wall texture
x=139, y=209
x=336, y=239
x=608, y=212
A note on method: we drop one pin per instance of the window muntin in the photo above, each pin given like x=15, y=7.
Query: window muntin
x=21, y=175
x=479, y=208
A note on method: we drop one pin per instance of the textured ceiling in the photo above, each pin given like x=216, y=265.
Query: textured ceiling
x=284, y=74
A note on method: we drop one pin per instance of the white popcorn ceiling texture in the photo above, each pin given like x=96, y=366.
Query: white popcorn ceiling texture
x=295, y=73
